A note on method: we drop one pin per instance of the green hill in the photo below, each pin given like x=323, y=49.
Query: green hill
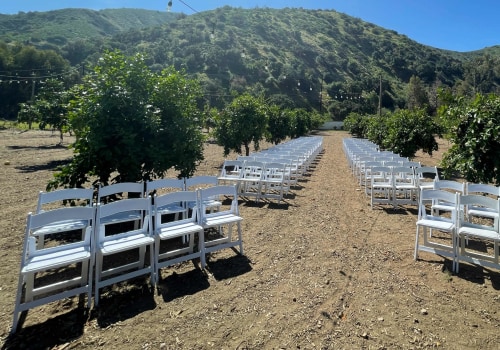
x=319, y=59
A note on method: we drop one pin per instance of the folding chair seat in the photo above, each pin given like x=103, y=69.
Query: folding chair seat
x=381, y=185
x=484, y=190
x=117, y=192
x=273, y=182
x=221, y=224
x=178, y=235
x=442, y=223
x=120, y=245
x=251, y=179
x=478, y=236
x=57, y=199
x=202, y=181
x=162, y=186
x=62, y=268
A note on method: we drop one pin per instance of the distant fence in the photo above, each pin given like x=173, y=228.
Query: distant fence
x=332, y=126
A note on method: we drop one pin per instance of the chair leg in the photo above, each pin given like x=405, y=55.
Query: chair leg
x=415, y=256
x=201, y=248
x=239, y=237
x=17, y=306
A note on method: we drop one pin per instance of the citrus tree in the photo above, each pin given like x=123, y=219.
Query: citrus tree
x=132, y=124
x=242, y=122
x=409, y=131
x=49, y=107
x=476, y=139
x=279, y=124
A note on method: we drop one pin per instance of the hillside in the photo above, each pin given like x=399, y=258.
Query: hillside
x=62, y=26
x=317, y=59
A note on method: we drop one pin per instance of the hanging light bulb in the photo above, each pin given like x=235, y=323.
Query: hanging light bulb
x=169, y=6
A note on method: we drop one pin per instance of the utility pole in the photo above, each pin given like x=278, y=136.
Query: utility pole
x=380, y=96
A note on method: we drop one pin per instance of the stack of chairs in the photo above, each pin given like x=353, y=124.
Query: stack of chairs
x=80, y=249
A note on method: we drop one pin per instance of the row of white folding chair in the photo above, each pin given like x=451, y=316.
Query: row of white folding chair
x=102, y=242
x=457, y=232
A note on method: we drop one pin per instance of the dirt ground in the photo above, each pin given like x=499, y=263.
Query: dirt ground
x=323, y=271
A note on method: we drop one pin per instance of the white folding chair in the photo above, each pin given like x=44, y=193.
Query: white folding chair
x=172, y=233
x=251, y=179
x=381, y=185
x=221, y=223
x=50, y=273
x=231, y=172
x=442, y=223
x=476, y=231
x=273, y=181
x=405, y=187
x=125, y=241
x=57, y=199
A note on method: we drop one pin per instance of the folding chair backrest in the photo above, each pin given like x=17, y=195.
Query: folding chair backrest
x=164, y=185
x=253, y=170
x=192, y=183
x=427, y=172
x=486, y=204
x=450, y=185
x=69, y=215
x=474, y=188
x=231, y=169
x=440, y=196
x=132, y=205
x=48, y=200
x=111, y=192
x=173, y=198
x=221, y=192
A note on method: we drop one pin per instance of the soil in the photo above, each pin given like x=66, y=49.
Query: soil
x=322, y=271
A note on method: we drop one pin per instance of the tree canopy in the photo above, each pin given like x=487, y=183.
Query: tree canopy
x=132, y=124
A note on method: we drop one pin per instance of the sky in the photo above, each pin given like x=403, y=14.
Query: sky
x=458, y=25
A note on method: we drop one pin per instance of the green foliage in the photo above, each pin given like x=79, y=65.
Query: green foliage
x=21, y=70
x=328, y=61
x=279, y=124
x=242, y=122
x=356, y=124
x=376, y=129
x=416, y=94
x=476, y=139
x=132, y=124
x=302, y=122
x=409, y=131
x=48, y=109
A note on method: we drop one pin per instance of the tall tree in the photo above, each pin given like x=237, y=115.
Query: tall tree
x=417, y=95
